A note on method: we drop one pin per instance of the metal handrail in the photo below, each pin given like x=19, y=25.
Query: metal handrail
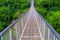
x=50, y=27
x=2, y=32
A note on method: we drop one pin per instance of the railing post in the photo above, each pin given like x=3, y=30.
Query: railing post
x=41, y=29
x=54, y=37
x=21, y=24
x=10, y=34
x=44, y=30
x=17, y=30
x=1, y=38
x=48, y=34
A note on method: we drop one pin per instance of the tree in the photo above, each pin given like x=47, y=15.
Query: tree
x=5, y=17
x=10, y=9
x=50, y=10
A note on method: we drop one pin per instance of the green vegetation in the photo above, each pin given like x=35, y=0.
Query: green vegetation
x=50, y=10
x=11, y=10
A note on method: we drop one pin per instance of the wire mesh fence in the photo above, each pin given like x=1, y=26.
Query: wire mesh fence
x=13, y=32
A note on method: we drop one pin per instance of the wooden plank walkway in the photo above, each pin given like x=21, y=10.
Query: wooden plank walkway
x=31, y=30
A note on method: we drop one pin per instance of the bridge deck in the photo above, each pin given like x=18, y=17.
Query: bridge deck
x=31, y=30
x=30, y=27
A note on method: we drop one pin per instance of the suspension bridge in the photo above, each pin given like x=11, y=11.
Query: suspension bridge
x=30, y=26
